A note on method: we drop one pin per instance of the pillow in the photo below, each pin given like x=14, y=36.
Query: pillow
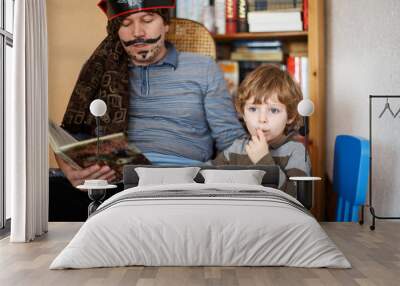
x=248, y=177
x=162, y=176
x=271, y=177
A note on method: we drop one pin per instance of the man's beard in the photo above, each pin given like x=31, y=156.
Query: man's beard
x=147, y=56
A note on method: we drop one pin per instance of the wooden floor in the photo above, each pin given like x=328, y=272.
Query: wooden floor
x=374, y=255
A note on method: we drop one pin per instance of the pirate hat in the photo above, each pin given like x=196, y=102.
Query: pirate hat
x=115, y=8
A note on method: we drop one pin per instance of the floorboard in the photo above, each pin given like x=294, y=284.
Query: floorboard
x=374, y=255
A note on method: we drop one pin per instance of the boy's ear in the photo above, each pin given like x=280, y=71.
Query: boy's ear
x=290, y=121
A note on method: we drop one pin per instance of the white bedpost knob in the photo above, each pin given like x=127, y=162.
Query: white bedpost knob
x=98, y=107
x=305, y=107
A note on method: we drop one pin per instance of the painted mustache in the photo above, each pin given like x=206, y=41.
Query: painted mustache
x=141, y=41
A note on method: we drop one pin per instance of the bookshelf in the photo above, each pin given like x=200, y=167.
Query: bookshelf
x=313, y=41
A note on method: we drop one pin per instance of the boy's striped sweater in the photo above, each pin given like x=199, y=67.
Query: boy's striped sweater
x=287, y=153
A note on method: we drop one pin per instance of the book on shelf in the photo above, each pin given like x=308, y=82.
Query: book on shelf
x=287, y=5
x=191, y=9
x=257, y=55
x=242, y=25
x=297, y=67
x=199, y=11
x=290, y=66
x=219, y=13
x=304, y=76
x=270, y=51
x=305, y=15
x=245, y=67
x=275, y=5
x=257, y=44
x=275, y=27
x=231, y=16
x=273, y=17
x=115, y=150
x=265, y=21
x=258, y=50
x=230, y=69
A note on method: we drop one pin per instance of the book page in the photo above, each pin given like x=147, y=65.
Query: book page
x=59, y=137
x=114, y=151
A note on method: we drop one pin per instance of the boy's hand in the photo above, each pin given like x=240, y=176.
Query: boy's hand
x=257, y=147
x=78, y=177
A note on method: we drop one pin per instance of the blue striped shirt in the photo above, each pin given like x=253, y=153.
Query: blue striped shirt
x=180, y=106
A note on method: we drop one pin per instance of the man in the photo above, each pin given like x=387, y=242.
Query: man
x=173, y=105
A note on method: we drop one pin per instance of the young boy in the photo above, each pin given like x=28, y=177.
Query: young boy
x=267, y=99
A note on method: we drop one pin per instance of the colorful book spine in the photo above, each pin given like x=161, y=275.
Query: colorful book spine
x=297, y=67
x=260, y=5
x=290, y=66
x=258, y=44
x=251, y=5
x=272, y=5
x=242, y=25
x=231, y=16
x=283, y=4
x=305, y=15
x=258, y=55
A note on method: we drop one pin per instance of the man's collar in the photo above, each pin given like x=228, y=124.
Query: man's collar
x=171, y=57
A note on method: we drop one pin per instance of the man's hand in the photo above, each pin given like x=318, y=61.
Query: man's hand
x=257, y=147
x=77, y=177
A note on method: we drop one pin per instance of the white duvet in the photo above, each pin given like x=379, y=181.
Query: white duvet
x=182, y=231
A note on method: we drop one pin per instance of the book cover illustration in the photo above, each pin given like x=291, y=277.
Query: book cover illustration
x=230, y=69
x=114, y=150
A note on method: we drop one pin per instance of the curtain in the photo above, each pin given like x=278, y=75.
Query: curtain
x=27, y=124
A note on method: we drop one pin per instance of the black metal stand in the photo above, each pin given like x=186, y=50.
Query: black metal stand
x=97, y=196
x=98, y=135
x=305, y=137
x=371, y=208
x=305, y=193
x=305, y=187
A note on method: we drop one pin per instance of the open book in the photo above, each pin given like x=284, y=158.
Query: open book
x=114, y=150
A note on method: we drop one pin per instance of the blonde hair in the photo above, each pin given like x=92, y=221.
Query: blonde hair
x=264, y=82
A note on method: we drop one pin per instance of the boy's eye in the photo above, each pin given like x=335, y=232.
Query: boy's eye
x=252, y=109
x=274, y=110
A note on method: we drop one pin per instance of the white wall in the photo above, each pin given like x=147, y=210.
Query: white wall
x=363, y=58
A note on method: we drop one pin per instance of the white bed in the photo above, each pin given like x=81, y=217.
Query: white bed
x=223, y=225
